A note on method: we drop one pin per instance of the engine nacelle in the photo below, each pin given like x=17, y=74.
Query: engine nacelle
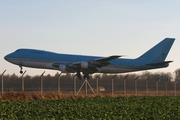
x=84, y=65
x=62, y=68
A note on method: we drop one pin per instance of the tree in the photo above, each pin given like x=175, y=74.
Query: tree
x=177, y=74
x=14, y=77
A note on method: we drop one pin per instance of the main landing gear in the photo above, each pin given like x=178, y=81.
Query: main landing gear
x=86, y=75
x=79, y=75
x=21, y=69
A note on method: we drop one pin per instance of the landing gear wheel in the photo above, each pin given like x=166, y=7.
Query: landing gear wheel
x=21, y=72
x=86, y=76
x=79, y=75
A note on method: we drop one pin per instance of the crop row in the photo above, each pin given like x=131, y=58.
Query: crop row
x=146, y=108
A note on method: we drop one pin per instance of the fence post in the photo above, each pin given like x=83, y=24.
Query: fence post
x=125, y=84
x=157, y=86
x=147, y=85
x=42, y=82
x=74, y=79
x=58, y=80
x=112, y=88
x=166, y=85
x=2, y=82
x=175, y=87
x=22, y=82
x=97, y=86
x=135, y=85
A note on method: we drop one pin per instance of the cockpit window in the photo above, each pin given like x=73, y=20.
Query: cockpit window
x=17, y=50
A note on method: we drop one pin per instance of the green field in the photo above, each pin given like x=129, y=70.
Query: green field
x=127, y=108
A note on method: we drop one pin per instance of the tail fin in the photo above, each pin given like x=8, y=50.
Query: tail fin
x=160, y=51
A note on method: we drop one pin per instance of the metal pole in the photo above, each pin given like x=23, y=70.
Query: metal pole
x=74, y=79
x=112, y=91
x=81, y=87
x=112, y=86
x=59, y=82
x=23, y=82
x=166, y=86
x=124, y=87
x=42, y=82
x=175, y=87
x=91, y=88
x=157, y=86
x=125, y=84
x=86, y=86
x=135, y=85
x=147, y=86
x=97, y=81
x=2, y=82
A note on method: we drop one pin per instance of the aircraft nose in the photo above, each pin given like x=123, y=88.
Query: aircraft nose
x=6, y=57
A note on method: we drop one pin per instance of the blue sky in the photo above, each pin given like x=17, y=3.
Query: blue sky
x=100, y=28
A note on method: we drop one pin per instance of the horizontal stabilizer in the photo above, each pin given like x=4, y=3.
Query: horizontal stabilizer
x=159, y=63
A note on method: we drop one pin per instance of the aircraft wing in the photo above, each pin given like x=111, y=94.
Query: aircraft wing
x=94, y=65
x=100, y=62
x=90, y=66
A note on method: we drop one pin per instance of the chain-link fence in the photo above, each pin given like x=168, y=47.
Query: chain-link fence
x=99, y=84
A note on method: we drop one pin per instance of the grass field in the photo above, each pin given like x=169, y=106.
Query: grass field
x=125, y=108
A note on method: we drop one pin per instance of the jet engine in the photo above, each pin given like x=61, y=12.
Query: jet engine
x=84, y=65
x=62, y=68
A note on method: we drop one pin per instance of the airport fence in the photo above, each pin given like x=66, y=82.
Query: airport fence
x=101, y=84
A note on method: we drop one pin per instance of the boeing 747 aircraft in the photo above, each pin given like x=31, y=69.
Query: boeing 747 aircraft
x=152, y=59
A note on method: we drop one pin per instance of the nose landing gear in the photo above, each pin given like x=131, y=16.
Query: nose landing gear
x=21, y=69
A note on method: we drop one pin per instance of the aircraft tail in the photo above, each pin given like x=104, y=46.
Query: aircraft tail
x=160, y=51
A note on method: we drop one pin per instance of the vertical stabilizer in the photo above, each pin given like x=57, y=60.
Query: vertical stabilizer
x=160, y=51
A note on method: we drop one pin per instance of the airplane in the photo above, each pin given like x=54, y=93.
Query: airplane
x=81, y=64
